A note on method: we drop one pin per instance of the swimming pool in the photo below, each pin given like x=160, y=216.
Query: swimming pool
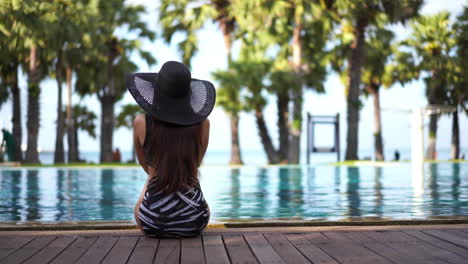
x=315, y=193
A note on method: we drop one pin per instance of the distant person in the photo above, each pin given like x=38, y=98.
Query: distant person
x=116, y=155
x=396, y=155
x=9, y=142
x=462, y=157
x=170, y=141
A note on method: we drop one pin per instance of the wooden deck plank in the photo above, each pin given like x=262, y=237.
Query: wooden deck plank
x=345, y=251
x=452, y=238
x=9, y=245
x=458, y=233
x=46, y=254
x=215, y=253
x=144, y=251
x=75, y=250
x=415, y=248
x=168, y=251
x=28, y=250
x=121, y=251
x=438, y=242
x=381, y=249
x=262, y=249
x=284, y=248
x=238, y=250
x=310, y=250
x=192, y=250
x=98, y=250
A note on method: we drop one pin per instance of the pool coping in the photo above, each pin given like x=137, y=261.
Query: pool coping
x=123, y=225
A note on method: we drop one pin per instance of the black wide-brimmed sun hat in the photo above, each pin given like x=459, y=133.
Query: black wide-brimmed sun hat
x=172, y=95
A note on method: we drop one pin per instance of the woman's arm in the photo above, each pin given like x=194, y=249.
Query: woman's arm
x=139, y=131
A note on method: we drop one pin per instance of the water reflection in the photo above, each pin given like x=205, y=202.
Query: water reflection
x=352, y=191
x=235, y=192
x=456, y=189
x=60, y=197
x=273, y=192
x=337, y=179
x=290, y=192
x=107, y=194
x=10, y=187
x=378, y=194
x=33, y=195
x=262, y=190
x=433, y=189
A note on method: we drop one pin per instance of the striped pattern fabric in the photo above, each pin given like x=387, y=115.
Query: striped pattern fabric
x=174, y=215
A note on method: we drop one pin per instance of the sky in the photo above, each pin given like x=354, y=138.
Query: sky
x=395, y=101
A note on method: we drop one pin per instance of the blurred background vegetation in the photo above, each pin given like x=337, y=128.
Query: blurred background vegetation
x=286, y=47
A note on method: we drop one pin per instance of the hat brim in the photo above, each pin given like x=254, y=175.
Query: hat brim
x=182, y=111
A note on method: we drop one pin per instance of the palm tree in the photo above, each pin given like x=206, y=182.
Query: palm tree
x=125, y=119
x=189, y=16
x=298, y=31
x=379, y=49
x=459, y=93
x=357, y=16
x=62, y=33
x=103, y=69
x=11, y=53
x=432, y=42
x=84, y=120
x=22, y=25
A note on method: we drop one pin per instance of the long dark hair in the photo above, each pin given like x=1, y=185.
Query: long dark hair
x=176, y=151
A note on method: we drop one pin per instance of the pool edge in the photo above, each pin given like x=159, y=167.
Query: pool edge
x=123, y=225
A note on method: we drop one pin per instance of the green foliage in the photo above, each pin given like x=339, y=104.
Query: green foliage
x=187, y=17
x=103, y=59
x=459, y=93
x=228, y=91
x=432, y=45
x=84, y=119
x=127, y=115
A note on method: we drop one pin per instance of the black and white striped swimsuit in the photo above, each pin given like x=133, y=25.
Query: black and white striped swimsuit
x=178, y=214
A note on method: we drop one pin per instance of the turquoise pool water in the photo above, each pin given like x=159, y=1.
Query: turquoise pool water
x=319, y=192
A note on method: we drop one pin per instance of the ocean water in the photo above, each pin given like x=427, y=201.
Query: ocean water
x=258, y=157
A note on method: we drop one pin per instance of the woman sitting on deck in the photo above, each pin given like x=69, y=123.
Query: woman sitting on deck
x=170, y=142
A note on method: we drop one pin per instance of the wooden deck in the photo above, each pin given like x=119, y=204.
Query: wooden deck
x=397, y=244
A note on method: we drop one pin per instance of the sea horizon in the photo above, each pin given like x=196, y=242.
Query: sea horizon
x=258, y=157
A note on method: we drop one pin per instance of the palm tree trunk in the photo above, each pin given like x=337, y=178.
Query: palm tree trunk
x=34, y=92
x=282, y=103
x=59, y=152
x=431, y=146
x=455, y=152
x=272, y=155
x=107, y=127
x=378, y=142
x=107, y=108
x=16, y=120
x=72, y=147
x=77, y=150
x=354, y=75
x=235, y=146
x=434, y=87
x=296, y=126
x=236, y=157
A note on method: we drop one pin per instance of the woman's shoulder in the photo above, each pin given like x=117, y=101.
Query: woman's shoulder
x=139, y=127
x=205, y=123
x=140, y=120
